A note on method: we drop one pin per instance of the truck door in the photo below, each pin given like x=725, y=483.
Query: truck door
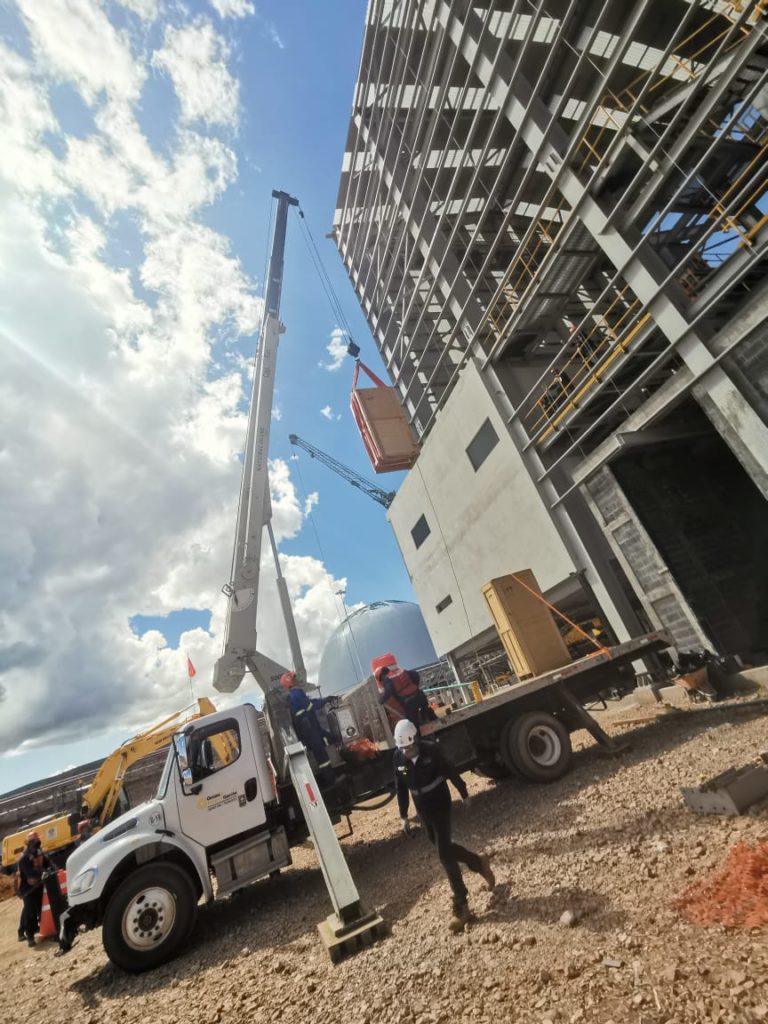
x=217, y=785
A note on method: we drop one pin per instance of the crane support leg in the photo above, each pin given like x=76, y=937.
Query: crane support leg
x=349, y=927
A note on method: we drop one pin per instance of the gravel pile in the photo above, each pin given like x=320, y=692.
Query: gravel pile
x=581, y=926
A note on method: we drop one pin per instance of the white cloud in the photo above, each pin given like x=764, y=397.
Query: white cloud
x=120, y=407
x=337, y=349
x=233, y=8
x=78, y=43
x=275, y=37
x=327, y=411
x=147, y=10
x=312, y=501
x=194, y=57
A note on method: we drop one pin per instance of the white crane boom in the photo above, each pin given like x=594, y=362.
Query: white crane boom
x=254, y=513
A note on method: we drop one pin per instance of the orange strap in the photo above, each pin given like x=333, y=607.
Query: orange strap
x=601, y=648
x=359, y=365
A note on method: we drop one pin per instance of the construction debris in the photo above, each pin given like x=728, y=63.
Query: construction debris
x=732, y=792
x=737, y=896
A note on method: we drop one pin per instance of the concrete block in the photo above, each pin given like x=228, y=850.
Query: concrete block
x=730, y=793
x=748, y=680
x=646, y=695
x=674, y=695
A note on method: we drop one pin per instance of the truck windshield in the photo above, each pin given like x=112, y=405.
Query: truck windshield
x=162, y=788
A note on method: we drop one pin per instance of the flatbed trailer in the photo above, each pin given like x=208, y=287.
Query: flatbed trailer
x=525, y=728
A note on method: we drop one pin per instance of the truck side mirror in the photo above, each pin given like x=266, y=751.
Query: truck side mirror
x=182, y=760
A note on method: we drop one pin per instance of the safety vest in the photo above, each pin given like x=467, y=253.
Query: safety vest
x=402, y=684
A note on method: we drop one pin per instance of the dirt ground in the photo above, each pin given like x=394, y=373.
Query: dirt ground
x=612, y=842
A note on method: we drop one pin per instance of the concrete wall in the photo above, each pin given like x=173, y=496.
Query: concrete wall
x=482, y=524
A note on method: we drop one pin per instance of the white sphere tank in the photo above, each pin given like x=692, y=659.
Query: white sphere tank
x=384, y=627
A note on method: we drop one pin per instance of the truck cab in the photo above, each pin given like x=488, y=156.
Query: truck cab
x=215, y=824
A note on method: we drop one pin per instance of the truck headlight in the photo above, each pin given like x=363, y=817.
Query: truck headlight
x=83, y=882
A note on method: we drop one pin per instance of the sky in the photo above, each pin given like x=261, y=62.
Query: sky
x=141, y=143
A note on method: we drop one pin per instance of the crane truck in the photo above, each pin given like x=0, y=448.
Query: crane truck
x=106, y=795
x=223, y=818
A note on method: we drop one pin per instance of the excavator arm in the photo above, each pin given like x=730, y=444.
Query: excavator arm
x=102, y=795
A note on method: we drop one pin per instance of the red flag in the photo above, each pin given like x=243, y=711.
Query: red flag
x=191, y=670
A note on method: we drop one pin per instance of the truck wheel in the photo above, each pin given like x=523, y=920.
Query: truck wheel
x=148, y=917
x=537, y=745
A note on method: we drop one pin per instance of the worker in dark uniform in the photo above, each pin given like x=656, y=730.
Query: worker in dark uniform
x=13, y=871
x=308, y=727
x=401, y=695
x=422, y=771
x=35, y=871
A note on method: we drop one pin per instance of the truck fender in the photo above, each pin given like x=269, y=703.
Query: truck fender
x=112, y=861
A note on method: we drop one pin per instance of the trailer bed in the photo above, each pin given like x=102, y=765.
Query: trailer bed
x=584, y=678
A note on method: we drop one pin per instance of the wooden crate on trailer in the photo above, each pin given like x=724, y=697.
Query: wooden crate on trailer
x=525, y=624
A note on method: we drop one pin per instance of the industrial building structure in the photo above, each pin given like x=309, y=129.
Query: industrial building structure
x=554, y=214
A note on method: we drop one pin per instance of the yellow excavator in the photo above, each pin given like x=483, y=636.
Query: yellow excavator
x=103, y=797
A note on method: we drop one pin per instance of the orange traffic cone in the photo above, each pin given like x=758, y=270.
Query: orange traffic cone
x=47, y=926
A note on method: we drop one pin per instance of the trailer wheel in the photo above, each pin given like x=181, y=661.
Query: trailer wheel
x=148, y=917
x=537, y=745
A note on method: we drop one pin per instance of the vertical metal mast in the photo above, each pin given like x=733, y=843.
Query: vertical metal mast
x=255, y=508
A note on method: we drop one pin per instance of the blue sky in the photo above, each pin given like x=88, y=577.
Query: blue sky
x=143, y=139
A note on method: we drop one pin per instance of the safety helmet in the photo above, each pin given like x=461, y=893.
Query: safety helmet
x=33, y=837
x=406, y=734
x=287, y=679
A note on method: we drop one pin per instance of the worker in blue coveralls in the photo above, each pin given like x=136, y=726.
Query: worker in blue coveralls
x=308, y=727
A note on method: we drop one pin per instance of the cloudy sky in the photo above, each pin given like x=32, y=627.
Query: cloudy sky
x=141, y=142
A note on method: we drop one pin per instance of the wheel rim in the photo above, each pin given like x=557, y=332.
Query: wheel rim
x=544, y=746
x=148, y=919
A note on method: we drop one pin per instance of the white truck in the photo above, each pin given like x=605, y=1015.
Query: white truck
x=223, y=818
x=220, y=813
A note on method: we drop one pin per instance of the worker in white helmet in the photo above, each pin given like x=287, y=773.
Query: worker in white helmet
x=423, y=772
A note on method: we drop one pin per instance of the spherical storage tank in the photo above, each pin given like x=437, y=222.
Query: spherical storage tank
x=379, y=628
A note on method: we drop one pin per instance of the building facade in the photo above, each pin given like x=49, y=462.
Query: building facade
x=555, y=217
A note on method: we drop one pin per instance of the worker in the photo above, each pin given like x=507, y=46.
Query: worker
x=308, y=727
x=84, y=831
x=401, y=695
x=422, y=771
x=35, y=871
x=14, y=871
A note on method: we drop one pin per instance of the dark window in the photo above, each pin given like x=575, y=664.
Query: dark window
x=420, y=532
x=213, y=747
x=442, y=605
x=482, y=444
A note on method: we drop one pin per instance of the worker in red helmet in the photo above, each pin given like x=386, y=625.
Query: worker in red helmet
x=35, y=871
x=308, y=727
x=401, y=695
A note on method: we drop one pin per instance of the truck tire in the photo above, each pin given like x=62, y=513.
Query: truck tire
x=536, y=745
x=148, y=917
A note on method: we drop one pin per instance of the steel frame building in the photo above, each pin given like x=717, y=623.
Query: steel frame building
x=555, y=216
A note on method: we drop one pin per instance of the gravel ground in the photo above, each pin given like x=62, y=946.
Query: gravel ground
x=612, y=843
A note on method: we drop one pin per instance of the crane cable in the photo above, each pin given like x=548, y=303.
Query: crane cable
x=325, y=279
x=354, y=657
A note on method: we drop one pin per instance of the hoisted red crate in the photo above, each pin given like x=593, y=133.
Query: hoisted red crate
x=382, y=424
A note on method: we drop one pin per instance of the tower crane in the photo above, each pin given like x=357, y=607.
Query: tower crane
x=383, y=497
